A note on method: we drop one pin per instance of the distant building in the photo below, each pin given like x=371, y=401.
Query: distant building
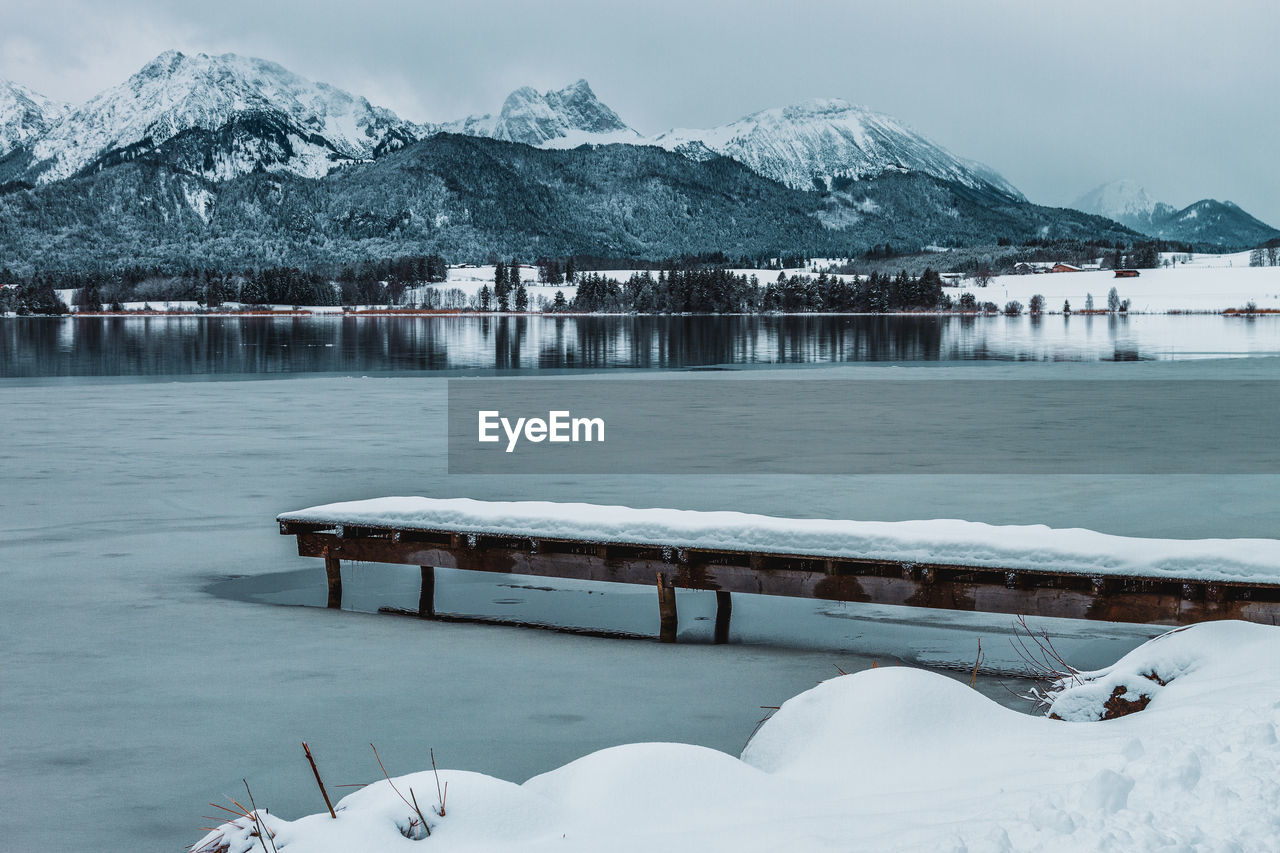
x=1025, y=267
x=1127, y=273
x=1060, y=267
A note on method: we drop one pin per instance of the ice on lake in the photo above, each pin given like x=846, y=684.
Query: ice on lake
x=134, y=693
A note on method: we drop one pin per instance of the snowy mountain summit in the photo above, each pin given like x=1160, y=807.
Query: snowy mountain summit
x=24, y=115
x=566, y=118
x=217, y=117
x=254, y=114
x=1125, y=201
x=827, y=143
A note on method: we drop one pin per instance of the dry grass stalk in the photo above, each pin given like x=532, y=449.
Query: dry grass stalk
x=264, y=832
x=413, y=805
x=439, y=793
x=219, y=843
x=977, y=662
x=319, y=781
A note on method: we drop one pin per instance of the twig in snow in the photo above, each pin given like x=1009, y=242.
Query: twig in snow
x=1044, y=663
x=319, y=781
x=439, y=793
x=973, y=679
x=413, y=805
x=264, y=832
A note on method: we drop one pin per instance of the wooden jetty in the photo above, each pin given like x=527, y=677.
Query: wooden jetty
x=1013, y=590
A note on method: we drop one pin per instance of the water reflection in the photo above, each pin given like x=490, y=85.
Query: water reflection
x=165, y=346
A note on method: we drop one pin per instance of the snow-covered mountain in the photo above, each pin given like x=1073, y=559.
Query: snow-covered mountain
x=566, y=118
x=824, y=144
x=1126, y=201
x=218, y=117
x=258, y=113
x=1220, y=223
x=25, y=115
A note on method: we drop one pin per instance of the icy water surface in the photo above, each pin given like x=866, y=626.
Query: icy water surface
x=228, y=346
x=132, y=696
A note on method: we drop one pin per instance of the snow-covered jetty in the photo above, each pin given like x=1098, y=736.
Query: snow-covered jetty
x=948, y=564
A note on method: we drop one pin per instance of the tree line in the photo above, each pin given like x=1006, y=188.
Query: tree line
x=723, y=291
x=373, y=283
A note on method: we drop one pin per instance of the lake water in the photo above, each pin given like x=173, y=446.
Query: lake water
x=221, y=346
x=150, y=663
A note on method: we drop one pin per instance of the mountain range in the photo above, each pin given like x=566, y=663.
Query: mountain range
x=180, y=153
x=1205, y=221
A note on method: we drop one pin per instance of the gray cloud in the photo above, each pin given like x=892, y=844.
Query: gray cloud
x=1059, y=97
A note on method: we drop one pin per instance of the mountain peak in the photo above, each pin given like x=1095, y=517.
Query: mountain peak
x=813, y=107
x=309, y=127
x=25, y=114
x=1119, y=199
x=824, y=142
x=559, y=118
x=164, y=63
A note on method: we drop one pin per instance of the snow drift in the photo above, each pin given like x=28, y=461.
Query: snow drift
x=889, y=759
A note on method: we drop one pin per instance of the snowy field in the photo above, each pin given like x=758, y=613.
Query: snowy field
x=1180, y=288
x=132, y=696
x=1195, y=282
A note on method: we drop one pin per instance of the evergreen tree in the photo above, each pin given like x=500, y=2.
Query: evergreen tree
x=501, y=290
x=253, y=292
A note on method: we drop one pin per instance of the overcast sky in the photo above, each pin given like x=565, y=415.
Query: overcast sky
x=1058, y=96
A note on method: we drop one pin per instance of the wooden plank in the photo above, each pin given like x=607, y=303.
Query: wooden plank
x=333, y=573
x=724, y=610
x=427, y=593
x=668, y=618
x=950, y=587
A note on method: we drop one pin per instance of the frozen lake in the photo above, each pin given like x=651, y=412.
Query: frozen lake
x=148, y=664
x=232, y=346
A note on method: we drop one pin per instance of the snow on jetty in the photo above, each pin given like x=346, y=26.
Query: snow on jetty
x=963, y=543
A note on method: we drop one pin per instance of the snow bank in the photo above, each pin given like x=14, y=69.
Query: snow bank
x=945, y=541
x=1157, y=670
x=889, y=759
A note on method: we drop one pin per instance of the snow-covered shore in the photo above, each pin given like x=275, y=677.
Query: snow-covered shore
x=888, y=759
x=1201, y=283
x=1208, y=283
